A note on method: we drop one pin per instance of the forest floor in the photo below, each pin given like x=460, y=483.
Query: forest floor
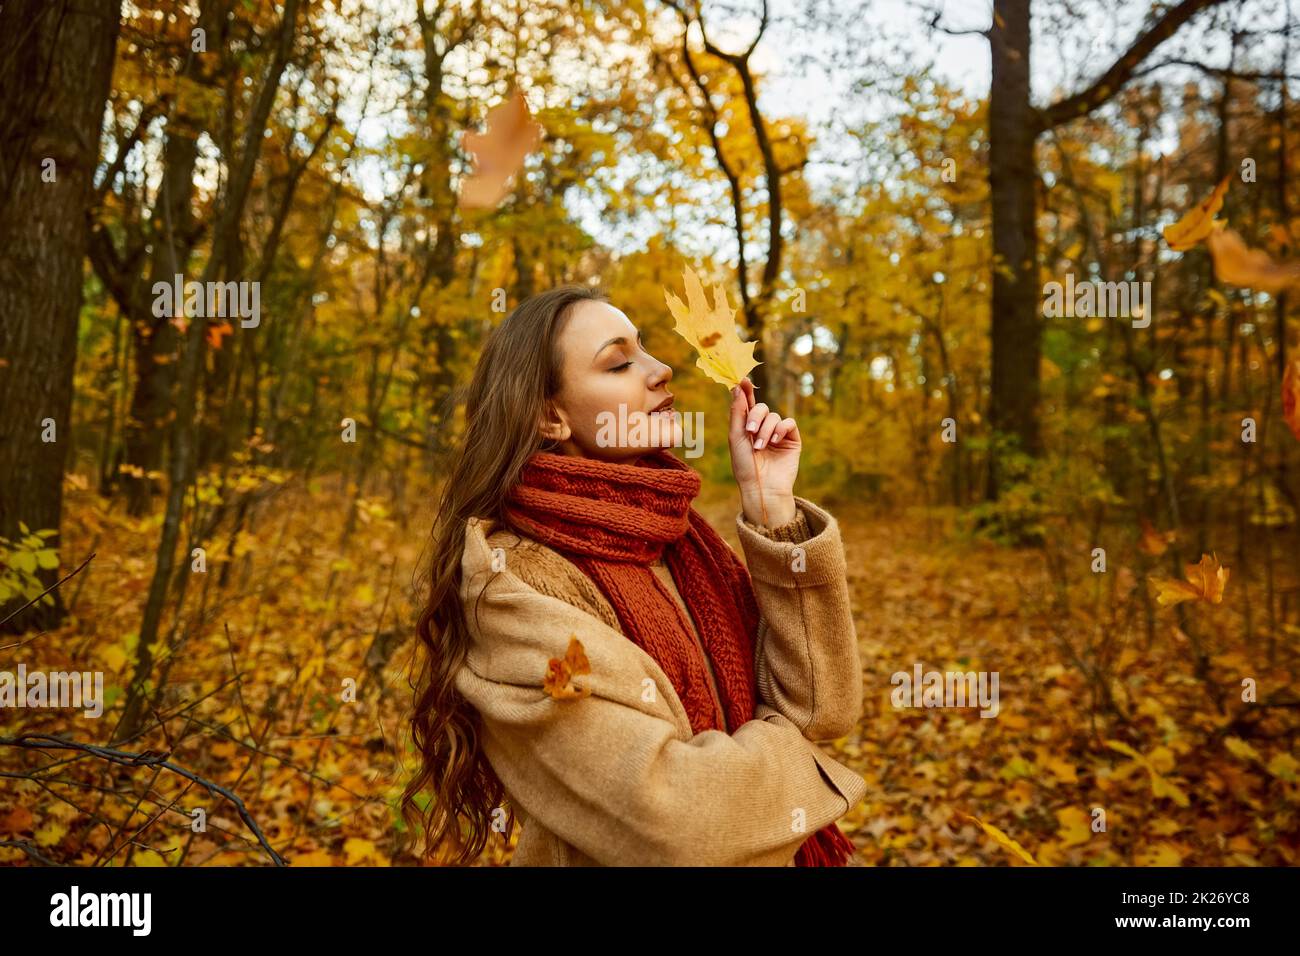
x=1104, y=751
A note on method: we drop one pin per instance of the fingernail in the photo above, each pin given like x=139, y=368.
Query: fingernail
x=758, y=444
x=752, y=427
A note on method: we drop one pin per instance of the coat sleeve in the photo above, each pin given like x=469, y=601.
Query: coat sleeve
x=614, y=773
x=806, y=657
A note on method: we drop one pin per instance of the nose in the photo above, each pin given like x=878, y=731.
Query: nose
x=661, y=375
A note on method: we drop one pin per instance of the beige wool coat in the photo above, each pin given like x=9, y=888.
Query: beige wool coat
x=618, y=778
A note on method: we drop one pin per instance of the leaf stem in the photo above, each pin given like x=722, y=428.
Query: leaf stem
x=758, y=480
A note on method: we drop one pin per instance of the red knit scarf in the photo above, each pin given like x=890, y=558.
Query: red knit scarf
x=612, y=521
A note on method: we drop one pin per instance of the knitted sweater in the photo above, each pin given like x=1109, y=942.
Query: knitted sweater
x=618, y=777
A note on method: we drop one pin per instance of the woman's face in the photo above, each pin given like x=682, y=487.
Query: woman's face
x=613, y=402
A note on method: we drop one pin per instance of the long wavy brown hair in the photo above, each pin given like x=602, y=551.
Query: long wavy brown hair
x=455, y=794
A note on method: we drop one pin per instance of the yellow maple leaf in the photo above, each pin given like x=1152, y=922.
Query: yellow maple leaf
x=711, y=330
x=560, y=672
x=1199, y=223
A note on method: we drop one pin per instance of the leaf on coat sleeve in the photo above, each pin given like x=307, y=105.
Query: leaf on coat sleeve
x=558, y=682
x=723, y=357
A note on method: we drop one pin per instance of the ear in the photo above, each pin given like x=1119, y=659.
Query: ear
x=554, y=425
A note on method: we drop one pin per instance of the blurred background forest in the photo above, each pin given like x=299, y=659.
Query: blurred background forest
x=234, y=512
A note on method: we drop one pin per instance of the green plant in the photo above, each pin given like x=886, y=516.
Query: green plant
x=19, y=562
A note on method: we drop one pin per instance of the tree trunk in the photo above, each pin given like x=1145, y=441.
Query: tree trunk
x=56, y=60
x=1016, y=329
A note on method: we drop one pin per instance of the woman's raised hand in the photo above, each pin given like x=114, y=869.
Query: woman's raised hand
x=760, y=436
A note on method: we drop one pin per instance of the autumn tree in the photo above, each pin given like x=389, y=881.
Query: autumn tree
x=1015, y=126
x=55, y=64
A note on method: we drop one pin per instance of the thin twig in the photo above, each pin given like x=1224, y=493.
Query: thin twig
x=149, y=758
x=45, y=592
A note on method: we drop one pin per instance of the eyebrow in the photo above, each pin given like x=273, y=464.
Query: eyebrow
x=617, y=340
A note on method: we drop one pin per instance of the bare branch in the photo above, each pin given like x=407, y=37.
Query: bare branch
x=1121, y=71
x=147, y=758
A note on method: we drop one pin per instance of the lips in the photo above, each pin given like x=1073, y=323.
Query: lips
x=664, y=406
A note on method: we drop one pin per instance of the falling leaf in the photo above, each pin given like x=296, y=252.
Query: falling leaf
x=218, y=332
x=1237, y=264
x=498, y=153
x=1153, y=542
x=560, y=673
x=723, y=357
x=1291, y=397
x=1003, y=840
x=1205, y=582
x=1199, y=223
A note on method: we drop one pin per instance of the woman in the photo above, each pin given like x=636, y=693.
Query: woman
x=709, y=684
